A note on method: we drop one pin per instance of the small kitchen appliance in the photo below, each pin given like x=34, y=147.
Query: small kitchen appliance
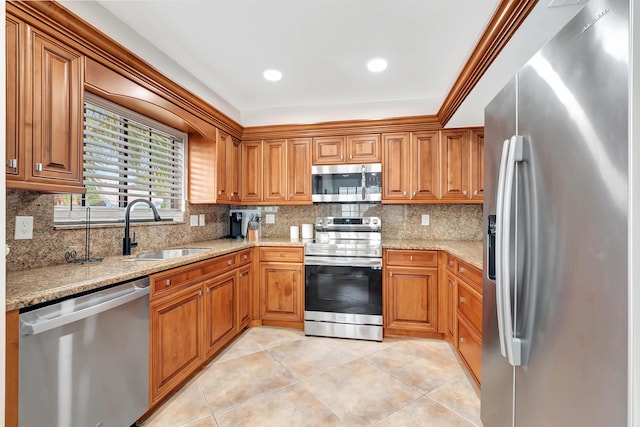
x=235, y=225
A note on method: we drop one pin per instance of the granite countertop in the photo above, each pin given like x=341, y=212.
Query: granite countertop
x=30, y=287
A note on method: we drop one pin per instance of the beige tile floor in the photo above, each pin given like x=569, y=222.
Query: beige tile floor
x=276, y=377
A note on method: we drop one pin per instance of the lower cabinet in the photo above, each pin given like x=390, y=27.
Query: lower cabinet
x=281, y=285
x=465, y=308
x=195, y=311
x=410, y=287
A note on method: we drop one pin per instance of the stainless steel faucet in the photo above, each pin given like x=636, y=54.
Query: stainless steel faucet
x=127, y=242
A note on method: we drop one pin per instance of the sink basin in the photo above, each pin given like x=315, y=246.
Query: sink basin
x=169, y=254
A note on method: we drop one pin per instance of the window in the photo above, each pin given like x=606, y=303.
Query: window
x=126, y=157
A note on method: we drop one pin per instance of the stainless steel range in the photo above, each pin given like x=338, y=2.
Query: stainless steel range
x=343, y=279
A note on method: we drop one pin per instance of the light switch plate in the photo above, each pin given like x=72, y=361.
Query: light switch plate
x=201, y=220
x=270, y=218
x=425, y=219
x=193, y=220
x=24, y=228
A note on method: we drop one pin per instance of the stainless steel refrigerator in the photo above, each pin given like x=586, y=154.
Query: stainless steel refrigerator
x=555, y=215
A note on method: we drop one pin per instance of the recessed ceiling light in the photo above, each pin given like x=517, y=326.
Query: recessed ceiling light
x=376, y=65
x=272, y=75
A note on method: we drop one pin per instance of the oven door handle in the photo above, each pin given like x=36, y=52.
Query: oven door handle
x=374, y=263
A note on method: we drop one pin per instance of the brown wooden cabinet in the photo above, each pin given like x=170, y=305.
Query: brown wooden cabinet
x=396, y=167
x=425, y=167
x=333, y=150
x=228, y=170
x=44, y=111
x=176, y=340
x=411, y=293
x=281, y=285
x=220, y=311
x=275, y=170
x=450, y=308
x=477, y=164
x=251, y=171
x=299, y=166
x=201, y=180
x=196, y=310
x=455, y=164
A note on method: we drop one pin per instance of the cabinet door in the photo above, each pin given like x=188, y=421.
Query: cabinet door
x=299, y=166
x=176, y=333
x=251, y=181
x=244, y=296
x=450, y=308
x=364, y=148
x=470, y=348
x=281, y=291
x=233, y=169
x=219, y=311
x=328, y=150
x=275, y=171
x=222, y=188
x=14, y=104
x=425, y=152
x=455, y=164
x=202, y=185
x=57, y=112
x=477, y=164
x=411, y=299
x=396, y=153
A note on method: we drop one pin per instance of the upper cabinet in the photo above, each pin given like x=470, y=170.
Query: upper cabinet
x=276, y=171
x=332, y=150
x=44, y=108
x=228, y=162
x=202, y=182
x=433, y=166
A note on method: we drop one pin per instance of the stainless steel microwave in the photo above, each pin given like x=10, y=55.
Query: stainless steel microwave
x=347, y=183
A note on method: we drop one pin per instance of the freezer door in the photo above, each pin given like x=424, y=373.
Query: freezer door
x=571, y=311
x=497, y=374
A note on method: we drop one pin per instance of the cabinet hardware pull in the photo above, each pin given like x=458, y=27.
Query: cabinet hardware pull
x=461, y=270
x=475, y=192
x=13, y=163
x=245, y=257
x=38, y=167
x=341, y=157
x=168, y=282
x=414, y=193
x=462, y=339
x=200, y=292
x=450, y=262
x=219, y=192
x=390, y=274
x=411, y=258
x=464, y=192
x=241, y=275
x=229, y=262
x=350, y=156
x=462, y=300
x=405, y=193
x=208, y=290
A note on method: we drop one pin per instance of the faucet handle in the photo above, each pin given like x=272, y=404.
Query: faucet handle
x=133, y=243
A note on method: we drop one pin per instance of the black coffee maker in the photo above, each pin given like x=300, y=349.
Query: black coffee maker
x=235, y=225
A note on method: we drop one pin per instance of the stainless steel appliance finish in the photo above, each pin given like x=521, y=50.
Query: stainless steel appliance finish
x=343, y=279
x=556, y=209
x=85, y=361
x=346, y=183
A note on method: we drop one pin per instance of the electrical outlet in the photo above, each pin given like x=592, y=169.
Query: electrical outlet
x=24, y=228
x=193, y=220
x=201, y=220
x=425, y=219
x=270, y=218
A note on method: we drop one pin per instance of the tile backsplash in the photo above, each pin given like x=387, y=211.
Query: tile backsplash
x=49, y=243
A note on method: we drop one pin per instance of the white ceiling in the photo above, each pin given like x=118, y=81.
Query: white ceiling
x=218, y=49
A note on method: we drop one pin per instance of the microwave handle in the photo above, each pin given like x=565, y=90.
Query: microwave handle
x=364, y=182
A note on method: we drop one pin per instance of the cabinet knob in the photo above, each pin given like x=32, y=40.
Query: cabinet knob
x=462, y=270
x=240, y=275
x=219, y=192
x=168, y=282
x=245, y=257
x=414, y=193
x=405, y=193
x=475, y=192
x=38, y=167
x=462, y=339
x=462, y=299
x=13, y=163
x=200, y=292
x=290, y=195
x=390, y=274
x=229, y=262
x=464, y=192
x=341, y=157
x=411, y=258
x=350, y=156
x=450, y=262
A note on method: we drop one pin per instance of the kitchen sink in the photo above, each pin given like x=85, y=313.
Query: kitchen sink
x=169, y=254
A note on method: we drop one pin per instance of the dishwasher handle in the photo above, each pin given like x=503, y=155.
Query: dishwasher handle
x=32, y=323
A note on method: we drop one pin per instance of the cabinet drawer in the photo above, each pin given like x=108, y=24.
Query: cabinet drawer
x=471, y=274
x=470, y=305
x=412, y=258
x=452, y=264
x=470, y=348
x=178, y=278
x=244, y=257
x=281, y=254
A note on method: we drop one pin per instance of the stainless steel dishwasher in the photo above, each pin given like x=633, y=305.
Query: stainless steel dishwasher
x=84, y=361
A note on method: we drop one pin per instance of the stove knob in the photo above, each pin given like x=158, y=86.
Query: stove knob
x=367, y=220
x=329, y=221
x=375, y=221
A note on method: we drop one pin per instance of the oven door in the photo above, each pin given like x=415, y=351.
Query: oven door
x=343, y=289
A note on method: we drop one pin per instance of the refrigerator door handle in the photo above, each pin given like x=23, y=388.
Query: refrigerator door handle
x=506, y=146
x=513, y=343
